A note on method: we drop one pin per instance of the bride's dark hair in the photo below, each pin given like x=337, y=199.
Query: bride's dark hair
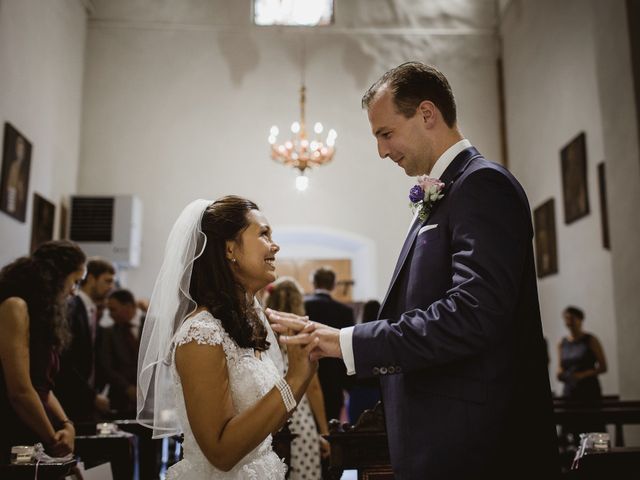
x=212, y=282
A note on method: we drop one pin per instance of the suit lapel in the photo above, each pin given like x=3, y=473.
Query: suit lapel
x=450, y=175
x=408, y=242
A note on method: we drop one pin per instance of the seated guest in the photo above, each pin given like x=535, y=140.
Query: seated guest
x=320, y=307
x=365, y=392
x=79, y=380
x=33, y=293
x=118, y=353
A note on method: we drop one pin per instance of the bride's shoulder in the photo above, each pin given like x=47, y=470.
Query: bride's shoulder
x=201, y=327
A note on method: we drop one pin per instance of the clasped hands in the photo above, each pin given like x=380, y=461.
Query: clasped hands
x=304, y=332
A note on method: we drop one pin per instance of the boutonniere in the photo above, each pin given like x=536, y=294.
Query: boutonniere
x=425, y=194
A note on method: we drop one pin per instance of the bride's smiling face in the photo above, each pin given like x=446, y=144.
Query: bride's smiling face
x=253, y=254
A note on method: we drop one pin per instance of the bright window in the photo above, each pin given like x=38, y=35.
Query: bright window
x=293, y=12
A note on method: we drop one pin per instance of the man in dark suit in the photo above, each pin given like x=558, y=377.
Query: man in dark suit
x=324, y=309
x=118, y=353
x=79, y=376
x=458, y=347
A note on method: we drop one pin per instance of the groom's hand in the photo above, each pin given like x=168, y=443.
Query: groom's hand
x=328, y=337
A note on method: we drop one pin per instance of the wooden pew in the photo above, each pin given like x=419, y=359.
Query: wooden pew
x=362, y=446
x=611, y=412
x=616, y=463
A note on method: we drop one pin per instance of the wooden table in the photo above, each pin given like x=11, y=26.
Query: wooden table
x=46, y=471
x=120, y=450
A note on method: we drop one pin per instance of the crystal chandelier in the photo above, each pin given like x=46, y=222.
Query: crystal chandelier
x=301, y=152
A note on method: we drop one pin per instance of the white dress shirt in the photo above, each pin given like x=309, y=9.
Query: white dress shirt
x=346, y=334
x=92, y=311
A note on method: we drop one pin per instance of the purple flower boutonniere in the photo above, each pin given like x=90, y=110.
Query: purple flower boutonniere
x=425, y=194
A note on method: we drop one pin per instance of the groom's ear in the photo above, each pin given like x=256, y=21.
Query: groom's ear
x=428, y=111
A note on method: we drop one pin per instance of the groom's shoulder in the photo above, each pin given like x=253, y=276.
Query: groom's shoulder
x=481, y=170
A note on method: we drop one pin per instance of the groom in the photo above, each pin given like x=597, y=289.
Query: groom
x=458, y=347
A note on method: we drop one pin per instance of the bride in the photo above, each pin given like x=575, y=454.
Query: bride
x=209, y=362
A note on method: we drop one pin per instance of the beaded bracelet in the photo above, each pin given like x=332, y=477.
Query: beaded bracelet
x=287, y=395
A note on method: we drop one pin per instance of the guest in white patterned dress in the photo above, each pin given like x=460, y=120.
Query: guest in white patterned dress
x=209, y=364
x=309, y=421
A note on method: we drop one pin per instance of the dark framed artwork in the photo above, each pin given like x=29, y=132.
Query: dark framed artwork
x=64, y=215
x=14, y=181
x=42, y=225
x=604, y=210
x=573, y=159
x=544, y=224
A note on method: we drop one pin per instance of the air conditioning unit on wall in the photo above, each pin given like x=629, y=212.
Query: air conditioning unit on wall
x=108, y=226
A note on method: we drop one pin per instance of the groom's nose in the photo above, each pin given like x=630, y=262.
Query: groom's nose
x=383, y=151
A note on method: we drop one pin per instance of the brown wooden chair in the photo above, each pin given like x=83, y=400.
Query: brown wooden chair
x=362, y=446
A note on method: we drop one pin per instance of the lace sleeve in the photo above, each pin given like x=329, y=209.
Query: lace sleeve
x=203, y=329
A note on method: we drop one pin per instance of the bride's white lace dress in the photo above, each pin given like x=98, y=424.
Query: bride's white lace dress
x=250, y=379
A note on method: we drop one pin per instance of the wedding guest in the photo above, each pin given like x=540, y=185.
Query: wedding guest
x=79, y=382
x=322, y=307
x=581, y=361
x=118, y=353
x=306, y=449
x=33, y=293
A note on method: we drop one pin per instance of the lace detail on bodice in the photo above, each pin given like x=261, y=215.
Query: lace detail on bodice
x=250, y=378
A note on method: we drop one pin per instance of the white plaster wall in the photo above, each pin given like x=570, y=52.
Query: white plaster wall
x=175, y=111
x=622, y=151
x=41, y=72
x=552, y=94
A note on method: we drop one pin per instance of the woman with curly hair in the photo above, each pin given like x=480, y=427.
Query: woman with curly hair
x=33, y=294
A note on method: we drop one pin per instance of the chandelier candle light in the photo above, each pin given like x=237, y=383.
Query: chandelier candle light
x=300, y=152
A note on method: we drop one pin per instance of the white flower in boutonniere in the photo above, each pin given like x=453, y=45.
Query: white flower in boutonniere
x=425, y=194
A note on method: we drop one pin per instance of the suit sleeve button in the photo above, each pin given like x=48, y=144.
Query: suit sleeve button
x=375, y=370
x=383, y=370
x=391, y=370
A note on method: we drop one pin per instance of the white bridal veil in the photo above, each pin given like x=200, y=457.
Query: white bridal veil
x=169, y=306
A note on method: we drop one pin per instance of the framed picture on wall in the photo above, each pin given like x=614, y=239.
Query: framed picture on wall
x=14, y=180
x=544, y=224
x=604, y=210
x=64, y=214
x=42, y=225
x=573, y=158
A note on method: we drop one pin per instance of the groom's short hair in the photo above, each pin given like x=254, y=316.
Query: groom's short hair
x=412, y=83
x=324, y=278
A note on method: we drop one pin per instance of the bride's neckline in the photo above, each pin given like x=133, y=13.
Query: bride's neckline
x=256, y=353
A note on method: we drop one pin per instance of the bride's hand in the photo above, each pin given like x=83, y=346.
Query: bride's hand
x=300, y=364
x=287, y=323
x=297, y=330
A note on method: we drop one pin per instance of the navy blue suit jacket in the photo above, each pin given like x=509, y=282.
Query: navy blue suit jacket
x=459, y=347
x=74, y=388
x=117, y=355
x=332, y=374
